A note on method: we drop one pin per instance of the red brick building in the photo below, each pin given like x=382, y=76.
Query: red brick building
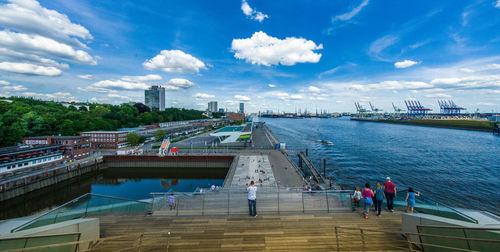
x=235, y=116
x=107, y=139
x=76, y=147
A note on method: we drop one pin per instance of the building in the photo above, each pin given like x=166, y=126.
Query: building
x=221, y=110
x=21, y=157
x=235, y=116
x=212, y=107
x=242, y=107
x=154, y=98
x=76, y=147
x=107, y=139
x=232, y=134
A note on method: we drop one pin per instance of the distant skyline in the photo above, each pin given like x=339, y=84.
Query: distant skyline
x=271, y=55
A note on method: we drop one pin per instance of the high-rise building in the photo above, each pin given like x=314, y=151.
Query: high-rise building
x=242, y=107
x=154, y=98
x=212, y=107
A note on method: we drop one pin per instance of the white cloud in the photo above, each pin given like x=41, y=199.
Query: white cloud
x=377, y=46
x=265, y=50
x=42, y=45
x=15, y=88
x=174, y=61
x=203, y=96
x=438, y=95
x=29, y=17
x=116, y=85
x=172, y=88
x=497, y=4
x=27, y=68
x=179, y=83
x=271, y=85
x=405, y=63
x=85, y=76
x=149, y=77
x=352, y=13
x=314, y=89
x=296, y=97
x=60, y=96
x=487, y=103
x=251, y=13
x=2, y=82
x=242, y=98
x=447, y=81
x=392, y=85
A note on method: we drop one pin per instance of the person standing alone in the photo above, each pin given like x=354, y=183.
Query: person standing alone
x=252, y=198
x=390, y=193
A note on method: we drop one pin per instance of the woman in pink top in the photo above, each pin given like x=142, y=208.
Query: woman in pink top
x=368, y=198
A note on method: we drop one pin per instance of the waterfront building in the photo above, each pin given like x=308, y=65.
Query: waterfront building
x=221, y=110
x=235, y=116
x=242, y=107
x=154, y=98
x=212, y=107
x=21, y=157
x=107, y=139
x=76, y=147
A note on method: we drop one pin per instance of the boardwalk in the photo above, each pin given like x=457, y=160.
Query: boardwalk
x=302, y=232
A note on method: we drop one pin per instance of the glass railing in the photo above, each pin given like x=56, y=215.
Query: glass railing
x=427, y=205
x=459, y=238
x=41, y=243
x=234, y=201
x=87, y=205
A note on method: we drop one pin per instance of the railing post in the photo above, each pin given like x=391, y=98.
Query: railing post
x=177, y=206
x=303, y=207
x=87, y=207
x=327, y=204
x=337, y=238
x=203, y=204
x=279, y=200
x=228, y=195
x=152, y=203
x=410, y=247
x=465, y=236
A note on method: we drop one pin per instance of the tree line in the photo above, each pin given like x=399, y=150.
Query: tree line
x=25, y=117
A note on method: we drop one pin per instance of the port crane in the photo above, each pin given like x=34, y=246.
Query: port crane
x=396, y=109
x=374, y=109
x=360, y=108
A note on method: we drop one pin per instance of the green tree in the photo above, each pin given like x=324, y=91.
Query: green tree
x=133, y=138
x=159, y=135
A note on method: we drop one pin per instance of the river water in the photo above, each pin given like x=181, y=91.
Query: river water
x=456, y=167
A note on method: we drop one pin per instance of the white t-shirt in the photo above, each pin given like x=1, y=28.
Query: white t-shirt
x=252, y=192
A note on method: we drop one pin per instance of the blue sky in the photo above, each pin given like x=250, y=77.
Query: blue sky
x=272, y=55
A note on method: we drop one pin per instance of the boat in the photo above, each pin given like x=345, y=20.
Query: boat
x=326, y=142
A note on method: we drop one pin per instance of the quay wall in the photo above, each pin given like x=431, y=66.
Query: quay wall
x=213, y=162
x=476, y=125
x=12, y=188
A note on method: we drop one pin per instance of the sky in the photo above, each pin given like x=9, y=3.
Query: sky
x=271, y=55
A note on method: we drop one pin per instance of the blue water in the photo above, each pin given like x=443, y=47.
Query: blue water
x=456, y=167
x=141, y=188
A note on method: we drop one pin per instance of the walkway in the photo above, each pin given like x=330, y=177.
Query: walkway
x=301, y=232
x=253, y=168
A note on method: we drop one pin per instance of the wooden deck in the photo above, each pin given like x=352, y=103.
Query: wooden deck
x=297, y=232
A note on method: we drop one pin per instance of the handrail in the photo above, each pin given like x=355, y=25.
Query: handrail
x=455, y=227
x=427, y=198
x=35, y=236
x=68, y=203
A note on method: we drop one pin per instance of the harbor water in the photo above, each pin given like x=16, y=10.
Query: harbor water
x=456, y=167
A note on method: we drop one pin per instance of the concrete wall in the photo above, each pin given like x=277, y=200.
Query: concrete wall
x=222, y=162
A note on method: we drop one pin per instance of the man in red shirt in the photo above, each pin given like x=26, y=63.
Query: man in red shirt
x=390, y=193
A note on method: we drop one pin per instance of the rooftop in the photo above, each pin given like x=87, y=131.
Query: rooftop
x=103, y=132
x=24, y=148
x=55, y=137
x=231, y=129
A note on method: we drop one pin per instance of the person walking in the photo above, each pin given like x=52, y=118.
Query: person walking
x=379, y=198
x=390, y=192
x=356, y=196
x=368, y=198
x=252, y=198
x=171, y=201
x=410, y=199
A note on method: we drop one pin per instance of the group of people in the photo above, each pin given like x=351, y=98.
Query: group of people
x=376, y=197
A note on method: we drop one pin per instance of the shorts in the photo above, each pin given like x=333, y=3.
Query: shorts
x=411, y=203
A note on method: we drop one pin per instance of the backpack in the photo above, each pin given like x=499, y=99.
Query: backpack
x=368, y=201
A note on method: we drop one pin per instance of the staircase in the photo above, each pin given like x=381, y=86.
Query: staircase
x=297, y=232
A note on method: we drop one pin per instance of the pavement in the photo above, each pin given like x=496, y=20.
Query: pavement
x=253, y=168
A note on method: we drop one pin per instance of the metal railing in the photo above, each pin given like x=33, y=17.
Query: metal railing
x=270, y=200
x=349, y=238
x=88, y=204
x=427, y=205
